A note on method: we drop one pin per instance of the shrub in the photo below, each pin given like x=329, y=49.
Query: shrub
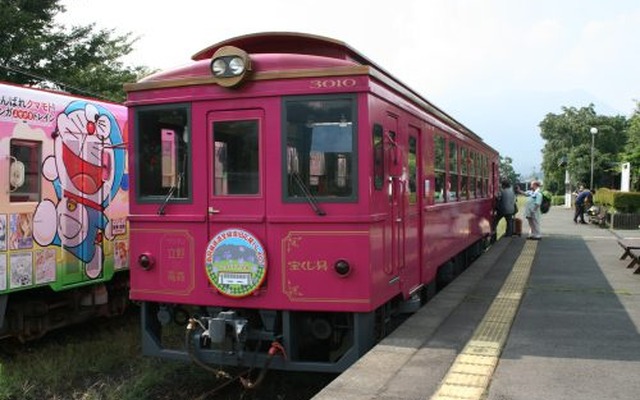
x=626, y=202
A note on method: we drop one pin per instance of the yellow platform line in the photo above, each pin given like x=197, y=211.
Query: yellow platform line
x=471, y=372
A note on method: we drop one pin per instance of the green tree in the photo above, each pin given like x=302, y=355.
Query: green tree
x=568, y=138
x=80, y=60
x=632, y=148
x=507, y=171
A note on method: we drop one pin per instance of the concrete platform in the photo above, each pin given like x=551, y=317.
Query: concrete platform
x=573, y=334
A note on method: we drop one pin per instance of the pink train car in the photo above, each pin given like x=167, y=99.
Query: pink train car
x=290, y=198
x=64, y=237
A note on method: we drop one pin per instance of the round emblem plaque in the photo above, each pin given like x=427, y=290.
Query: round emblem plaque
x=236, y=263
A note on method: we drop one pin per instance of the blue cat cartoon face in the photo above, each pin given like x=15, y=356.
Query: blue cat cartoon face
x=88, y=162
x=87, y=171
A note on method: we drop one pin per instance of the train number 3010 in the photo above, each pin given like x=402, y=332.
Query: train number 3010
x=333, y=83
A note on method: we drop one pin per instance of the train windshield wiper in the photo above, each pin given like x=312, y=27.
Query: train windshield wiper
x=169, y=195
x=313, y=202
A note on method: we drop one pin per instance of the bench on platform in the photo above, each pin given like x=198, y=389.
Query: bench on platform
x=631, y=249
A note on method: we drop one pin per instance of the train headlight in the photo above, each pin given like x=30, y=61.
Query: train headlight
x=219, y=67
x=236, y=66
x=146, y=261
x=230, y=66
x=342, y=268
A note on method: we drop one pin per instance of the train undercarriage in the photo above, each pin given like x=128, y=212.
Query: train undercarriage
x=29, y=315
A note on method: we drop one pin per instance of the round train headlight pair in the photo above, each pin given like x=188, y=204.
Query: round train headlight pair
x=230, y=66
x=226, y=67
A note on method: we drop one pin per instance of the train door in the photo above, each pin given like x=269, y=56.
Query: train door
x=236, y=200
x=410, y=269
x=396, y=193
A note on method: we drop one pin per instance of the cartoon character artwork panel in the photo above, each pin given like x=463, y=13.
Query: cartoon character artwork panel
x=45, y=265
x=21, y=226
x=3, y=232
x=3, y=272
x=20, y=265
x=87, y=171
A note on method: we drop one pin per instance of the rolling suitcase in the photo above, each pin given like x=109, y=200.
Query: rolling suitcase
x=517, y=226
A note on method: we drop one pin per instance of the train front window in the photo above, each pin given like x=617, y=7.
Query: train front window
x=236, y=157
x=319, y=157
x=162, y=153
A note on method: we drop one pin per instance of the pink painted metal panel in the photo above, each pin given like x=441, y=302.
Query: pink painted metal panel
x=299, y=276
x=173, y=246
x=449, y=228
x=308, y=254
x=301, y=249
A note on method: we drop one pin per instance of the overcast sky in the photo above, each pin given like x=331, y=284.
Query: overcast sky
x=498, y=66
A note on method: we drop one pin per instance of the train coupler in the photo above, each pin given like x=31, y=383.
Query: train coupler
x=224, y=327
x=217, y=327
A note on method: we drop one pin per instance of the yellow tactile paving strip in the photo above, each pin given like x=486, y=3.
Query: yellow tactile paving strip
x=470, y=375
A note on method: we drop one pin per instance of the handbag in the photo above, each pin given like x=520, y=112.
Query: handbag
x=515, y=208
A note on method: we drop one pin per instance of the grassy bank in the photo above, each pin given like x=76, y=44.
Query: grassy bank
x=101, y=361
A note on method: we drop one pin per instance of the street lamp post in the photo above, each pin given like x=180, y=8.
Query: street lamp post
x=594, y=130
x=564, y=162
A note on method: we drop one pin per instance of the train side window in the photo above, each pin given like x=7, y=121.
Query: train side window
x=378, y=157
x=472, y=174
x=162, y=153
x=452, y=185
x=480, y=171
x=24, y=170
x=464, y=177
x=413, y=169
x=440, y=168
x=479, y=175
x=320, y=140
x=485, y=174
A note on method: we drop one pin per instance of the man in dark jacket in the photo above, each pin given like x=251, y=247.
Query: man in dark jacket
x=506, y=206
x=581, y=199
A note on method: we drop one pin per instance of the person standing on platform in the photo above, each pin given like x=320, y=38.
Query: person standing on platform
x=506, y=206
x=532, y=210
x=581, y=201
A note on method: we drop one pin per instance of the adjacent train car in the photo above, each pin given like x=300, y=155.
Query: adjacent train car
x=290, y=196
x=63, y=210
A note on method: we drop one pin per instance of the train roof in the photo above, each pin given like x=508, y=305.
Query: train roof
x=287, y=42
x=294, y=51
x=54, y=93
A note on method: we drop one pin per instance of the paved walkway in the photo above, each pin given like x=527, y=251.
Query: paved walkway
x=559, y=318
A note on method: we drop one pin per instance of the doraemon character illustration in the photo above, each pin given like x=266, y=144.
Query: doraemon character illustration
x=87, y=170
